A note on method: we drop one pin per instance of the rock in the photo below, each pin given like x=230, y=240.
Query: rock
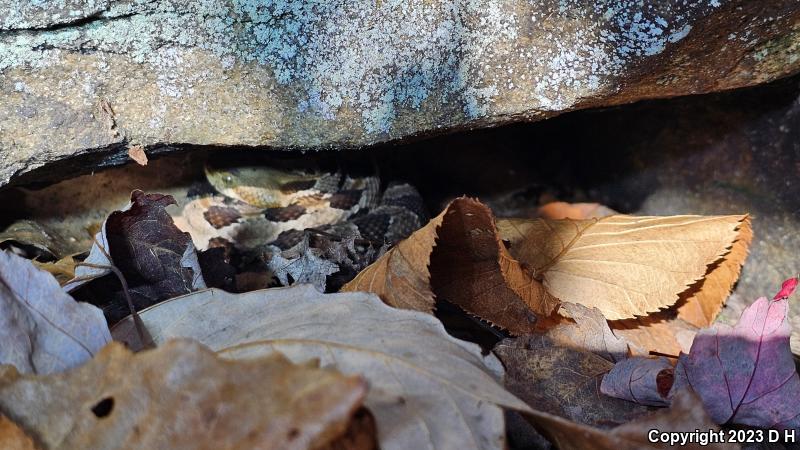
x=96, y=77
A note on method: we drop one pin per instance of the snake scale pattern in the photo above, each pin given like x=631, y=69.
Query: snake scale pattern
x=275, y=206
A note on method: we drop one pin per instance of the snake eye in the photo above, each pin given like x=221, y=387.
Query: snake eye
x=228, y=179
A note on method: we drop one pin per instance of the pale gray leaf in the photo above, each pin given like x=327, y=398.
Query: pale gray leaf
x=42, y=329
x=428, y=390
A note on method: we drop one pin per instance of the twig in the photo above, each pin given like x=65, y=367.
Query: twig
x=144, y=335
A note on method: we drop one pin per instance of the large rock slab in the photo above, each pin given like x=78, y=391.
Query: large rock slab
x=101, y=75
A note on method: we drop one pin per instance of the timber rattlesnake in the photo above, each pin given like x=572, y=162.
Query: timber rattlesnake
x=282, y=213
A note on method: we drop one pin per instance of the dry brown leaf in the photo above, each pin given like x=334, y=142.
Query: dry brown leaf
x=564, y=210
x=427, y=389
x=563, y=381
x=400, y=277
x=671, y=331
x=182, y=396
x=12, y=437
x=701, y=304
x=471, y=268
x=685, y=415
x=625, y=266
x=136, y=152
x=588, y=330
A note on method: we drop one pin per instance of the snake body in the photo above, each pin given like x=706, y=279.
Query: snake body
x=255, y=205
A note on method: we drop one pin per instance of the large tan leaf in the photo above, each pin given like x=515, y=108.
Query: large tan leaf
x=671, y=331
x=42, y=329
x=623, y=265
x=182, y=396
x=427, y=389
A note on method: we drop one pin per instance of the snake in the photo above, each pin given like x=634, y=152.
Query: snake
x=275, y=203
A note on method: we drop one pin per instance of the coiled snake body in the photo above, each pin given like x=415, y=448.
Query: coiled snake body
x=255, y=205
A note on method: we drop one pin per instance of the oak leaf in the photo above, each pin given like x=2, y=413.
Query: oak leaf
x=301, y=264
x=182, y=396
x=42, y=329
x=427, y=389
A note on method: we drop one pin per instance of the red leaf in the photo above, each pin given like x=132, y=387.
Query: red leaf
x=787, y=289
x=746, y=374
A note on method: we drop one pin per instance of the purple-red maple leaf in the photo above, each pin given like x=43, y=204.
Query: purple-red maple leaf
x=746, y=374
x=743, y=374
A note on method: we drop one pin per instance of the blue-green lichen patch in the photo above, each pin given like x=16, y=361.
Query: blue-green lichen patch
x=41, y=14
x=451, y=62
x=377, y=57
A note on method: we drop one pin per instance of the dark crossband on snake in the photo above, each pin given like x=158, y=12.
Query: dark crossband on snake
x=275, y=204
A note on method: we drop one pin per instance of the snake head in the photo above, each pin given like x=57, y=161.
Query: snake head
x=261, y=186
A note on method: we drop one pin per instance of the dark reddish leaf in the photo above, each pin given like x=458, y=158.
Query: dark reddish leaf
x=746, y=374
x=157, y=260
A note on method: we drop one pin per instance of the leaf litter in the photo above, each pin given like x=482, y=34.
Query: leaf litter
x=427, y=389
x=42, y=329
x=569, y=284
x=182, y=396
x=743, y=374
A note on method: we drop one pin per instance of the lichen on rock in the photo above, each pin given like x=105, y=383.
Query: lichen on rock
x=301, y=73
